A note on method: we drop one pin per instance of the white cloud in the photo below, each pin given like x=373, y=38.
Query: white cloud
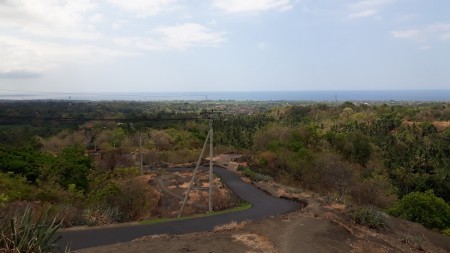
x=116, y=25
x=406, y=34
x=38, y=36
x=438, y=27
x=252, y=5
x=406, y=17
x=189, y=35
x=367, y=8
x=179, y=37
x=425, y=34
x=140, y=43
x=144, y=8
x=445, y=36
x=362, y=14
x=25, y=56
x=368, y=4
x=97, y=18
x=262, y=45
x=73, y=19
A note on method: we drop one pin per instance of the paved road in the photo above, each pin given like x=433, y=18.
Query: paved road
x=263, y=206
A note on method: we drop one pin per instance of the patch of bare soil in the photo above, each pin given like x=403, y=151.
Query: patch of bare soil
x=400, y=236
x=173, y=186
x=196, y=242
x=228, y=161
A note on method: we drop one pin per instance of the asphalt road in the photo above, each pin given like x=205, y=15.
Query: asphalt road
x=263, y=206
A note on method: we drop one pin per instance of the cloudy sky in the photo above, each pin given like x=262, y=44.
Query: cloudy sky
x=223, y=45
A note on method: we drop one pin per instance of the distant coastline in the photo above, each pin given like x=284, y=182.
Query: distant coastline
x=325, y=96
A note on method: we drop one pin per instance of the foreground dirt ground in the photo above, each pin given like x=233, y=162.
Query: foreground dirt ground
x=316, y=229
x=320, y=227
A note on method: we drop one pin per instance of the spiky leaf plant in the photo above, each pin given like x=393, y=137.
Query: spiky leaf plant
x=20, y=233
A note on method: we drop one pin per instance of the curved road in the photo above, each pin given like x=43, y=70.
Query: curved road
x=263, y=206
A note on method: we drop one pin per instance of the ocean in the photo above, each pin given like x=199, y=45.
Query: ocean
x=325, y=96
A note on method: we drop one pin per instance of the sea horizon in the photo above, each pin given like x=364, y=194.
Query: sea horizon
x=429, y=95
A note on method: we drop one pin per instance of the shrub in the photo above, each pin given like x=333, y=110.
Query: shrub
x=254, y=176
x=424, y=208
x=3, y=199
x=369, y=217
x=68, y=215
x=336, y=175
x=180, y=156
x=376, y=191
x=14, y=187
x=446, y=232
x=22, y=234
x=233, y=225
x=101, y=215
x=136, y=199
x=415, y=241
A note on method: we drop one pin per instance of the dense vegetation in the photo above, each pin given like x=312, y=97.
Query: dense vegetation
x=82, y=158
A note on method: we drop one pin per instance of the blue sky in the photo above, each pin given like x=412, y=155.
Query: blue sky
x=223, y=45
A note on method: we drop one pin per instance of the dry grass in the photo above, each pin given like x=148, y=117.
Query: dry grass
x=337, y=207
x=152, y=237
x=230, y=226
x=440, y=125
x=257, y=243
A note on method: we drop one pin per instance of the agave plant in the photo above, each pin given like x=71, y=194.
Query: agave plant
x=19, y=233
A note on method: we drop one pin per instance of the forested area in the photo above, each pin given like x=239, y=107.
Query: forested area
x=82, y=158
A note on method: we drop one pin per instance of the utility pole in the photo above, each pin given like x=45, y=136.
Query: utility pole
x=193, y=176
x=140, y=154
x=211, y=168
x=141, y=162
x=210, y=204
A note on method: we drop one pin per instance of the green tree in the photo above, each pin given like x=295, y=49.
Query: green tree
x=425, y=208
x=74, y=166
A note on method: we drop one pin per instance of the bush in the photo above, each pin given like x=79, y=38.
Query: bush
x=424, y=208
x=101, y=215
x=22, y=234
x=446, y=232
x=3, y=199
x=136, y=199
x=254, y=176
x=369, y=217
x=68, y=215
x=124, y=190
x=15, y=187
x=336, y=175
x=376, y=191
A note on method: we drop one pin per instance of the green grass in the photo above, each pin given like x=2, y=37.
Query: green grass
x=243, y=206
